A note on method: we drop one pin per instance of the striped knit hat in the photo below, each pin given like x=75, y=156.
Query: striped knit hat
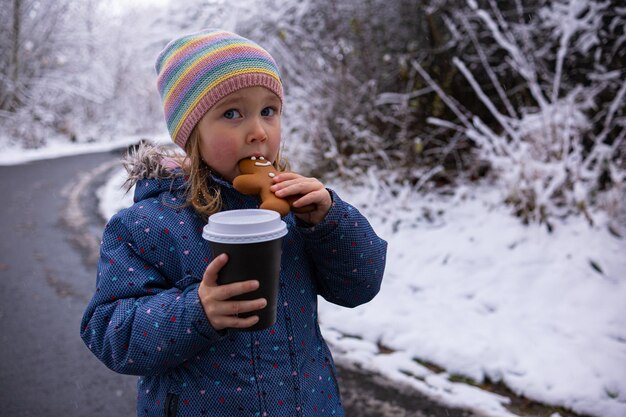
x=197, y=70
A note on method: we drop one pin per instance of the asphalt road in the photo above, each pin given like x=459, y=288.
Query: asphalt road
x=50, y=234
x=45, y=369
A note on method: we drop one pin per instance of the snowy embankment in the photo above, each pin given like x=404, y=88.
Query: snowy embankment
x=470, y=289
x=59, y=147
x=474, y=291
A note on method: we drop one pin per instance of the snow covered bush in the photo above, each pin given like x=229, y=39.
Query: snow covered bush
x=551, y=78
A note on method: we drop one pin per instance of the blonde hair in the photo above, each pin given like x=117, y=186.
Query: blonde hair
x=202, y=195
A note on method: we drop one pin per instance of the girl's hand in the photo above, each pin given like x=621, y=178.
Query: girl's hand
x=220, y=312
x=311, y=190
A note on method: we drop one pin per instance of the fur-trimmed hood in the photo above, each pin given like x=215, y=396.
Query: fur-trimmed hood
x=153, y=169
x=149, y=161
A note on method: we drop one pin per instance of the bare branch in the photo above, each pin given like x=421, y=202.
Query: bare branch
x=616, y=104
x=452, y=105
x=486, y=101
x=507, y=42
x=488, y=69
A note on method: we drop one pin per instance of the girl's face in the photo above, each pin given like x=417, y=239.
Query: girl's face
x=242, y=124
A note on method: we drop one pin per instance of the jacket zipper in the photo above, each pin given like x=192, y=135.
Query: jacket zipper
x=171, y=405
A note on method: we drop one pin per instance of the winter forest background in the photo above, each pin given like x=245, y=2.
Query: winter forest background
x=428, y=95
x=406, y=100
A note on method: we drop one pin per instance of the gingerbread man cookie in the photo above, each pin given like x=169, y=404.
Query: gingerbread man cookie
x=256, y=178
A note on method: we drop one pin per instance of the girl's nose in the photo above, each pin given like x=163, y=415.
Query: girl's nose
x=256, y=132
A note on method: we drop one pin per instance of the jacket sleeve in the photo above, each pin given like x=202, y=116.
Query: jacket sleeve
x=137, y=322
x=348, y=256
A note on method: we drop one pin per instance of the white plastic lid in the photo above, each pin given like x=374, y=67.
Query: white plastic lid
x=244, y=226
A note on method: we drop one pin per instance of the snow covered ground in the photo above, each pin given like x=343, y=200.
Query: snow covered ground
x=479, y=294
x=470, y=289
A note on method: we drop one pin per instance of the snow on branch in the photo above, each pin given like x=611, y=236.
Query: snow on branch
x=485, y=99
x=488, y=67
x=449, y=101
x=616, y=105
x=566, y=18
x=506, y=40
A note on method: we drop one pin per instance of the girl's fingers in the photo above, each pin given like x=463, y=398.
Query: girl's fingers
x=286, y=176
x=235, y=322
x=294, y=187
x=225, y=314
x=233, y=308
x=222, y=314
x=214, y=298
x=226, y=291
x=210, y=273
x=313, y=197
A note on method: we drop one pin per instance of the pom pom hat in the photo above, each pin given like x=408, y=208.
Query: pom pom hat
x=198, y=70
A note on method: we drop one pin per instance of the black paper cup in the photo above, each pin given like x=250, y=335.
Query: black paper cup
x=252, y=239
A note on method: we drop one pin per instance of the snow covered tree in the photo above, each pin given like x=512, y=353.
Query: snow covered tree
x=76, y=70
x=32, y=50
x=47, y=74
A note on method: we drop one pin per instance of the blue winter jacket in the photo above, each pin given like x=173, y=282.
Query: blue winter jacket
x=146, y=318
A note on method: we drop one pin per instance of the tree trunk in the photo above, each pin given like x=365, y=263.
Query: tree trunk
x=12, y=104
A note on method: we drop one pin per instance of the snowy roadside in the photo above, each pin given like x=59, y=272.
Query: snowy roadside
x=471, y=290
x=60, y=147
x=475, y=292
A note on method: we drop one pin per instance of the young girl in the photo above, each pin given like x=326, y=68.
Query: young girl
x=157, y=311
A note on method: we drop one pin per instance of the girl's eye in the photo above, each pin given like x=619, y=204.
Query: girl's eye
x=232, y=114
x=268, y=111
